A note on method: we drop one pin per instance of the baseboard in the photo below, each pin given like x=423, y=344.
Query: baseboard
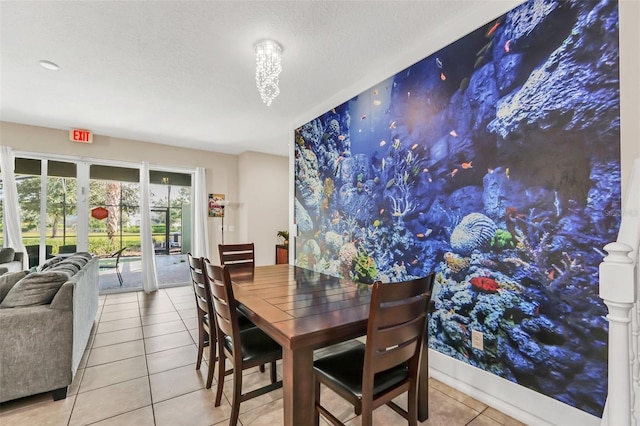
x=517, y=401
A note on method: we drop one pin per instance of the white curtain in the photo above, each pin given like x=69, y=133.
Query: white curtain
x=12, y=235
x=201, y=213
x=149, y=272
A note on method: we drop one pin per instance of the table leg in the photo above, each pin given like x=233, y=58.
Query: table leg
x=298, y=389
x=423, y=384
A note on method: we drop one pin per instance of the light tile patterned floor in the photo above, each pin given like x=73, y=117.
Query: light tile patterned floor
x=139, y=369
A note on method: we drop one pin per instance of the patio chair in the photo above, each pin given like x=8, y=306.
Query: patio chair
x=68, y=249
x=110, y=265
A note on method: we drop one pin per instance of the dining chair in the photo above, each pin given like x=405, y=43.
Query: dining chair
x=206, y=316
x=372, y=374
x=244, y=348
x=239, y=258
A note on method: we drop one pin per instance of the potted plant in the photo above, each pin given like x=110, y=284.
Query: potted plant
x=285, y=237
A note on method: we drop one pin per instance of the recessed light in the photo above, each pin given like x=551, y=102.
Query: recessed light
x=49, y=65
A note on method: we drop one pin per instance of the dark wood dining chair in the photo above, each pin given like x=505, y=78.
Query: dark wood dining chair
x=372, y=374
x=206, y=316
x=239, y=258
x=244, y=348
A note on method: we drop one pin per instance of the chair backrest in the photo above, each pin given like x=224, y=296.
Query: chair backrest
x=118, y=254
x=239, y=258
x=200, y=285
x=69, y=248
x=224, y=304
x=397, y=326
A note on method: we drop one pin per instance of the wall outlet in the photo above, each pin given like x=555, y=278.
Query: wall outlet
x=477, y=340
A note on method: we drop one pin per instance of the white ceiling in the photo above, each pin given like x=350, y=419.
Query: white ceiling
x=182, y=72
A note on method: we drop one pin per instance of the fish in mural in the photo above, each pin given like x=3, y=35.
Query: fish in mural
x=484, y=284
x=494, y=27
x=507, y=46
x=467, y=165
x=442, y=76
x=383, y=143
x=392, y=125
x=453, y=133
x=453, y=172
x=438, y=63
x=377, y=102
x=464, y=84
x=485, y=49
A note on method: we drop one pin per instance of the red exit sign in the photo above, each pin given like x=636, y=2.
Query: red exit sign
x=82, y=136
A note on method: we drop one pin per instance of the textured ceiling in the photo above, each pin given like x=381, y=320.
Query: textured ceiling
x=182, y=73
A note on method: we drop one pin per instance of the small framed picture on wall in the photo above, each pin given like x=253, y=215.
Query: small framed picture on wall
x=216, y=205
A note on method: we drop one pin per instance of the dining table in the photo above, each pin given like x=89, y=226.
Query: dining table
x=304, y=310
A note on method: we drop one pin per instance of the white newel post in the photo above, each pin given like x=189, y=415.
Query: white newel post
x=617, y=289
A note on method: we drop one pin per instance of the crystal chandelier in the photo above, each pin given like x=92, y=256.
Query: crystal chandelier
x=268, y=67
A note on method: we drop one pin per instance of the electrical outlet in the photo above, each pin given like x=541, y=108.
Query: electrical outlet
x=477, y=340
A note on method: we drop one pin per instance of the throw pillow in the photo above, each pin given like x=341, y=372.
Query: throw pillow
x=35, y=289
x=84, y=255
x=7, y=254
x=49, y=263
x=7, y=281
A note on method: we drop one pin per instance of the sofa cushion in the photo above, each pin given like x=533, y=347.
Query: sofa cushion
x=8, y=280
x=69, y=267
x=7, y=254
x=35, y=289
x=49, y=263
x=77, y=261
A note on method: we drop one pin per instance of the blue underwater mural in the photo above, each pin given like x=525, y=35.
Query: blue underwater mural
x=494, y=162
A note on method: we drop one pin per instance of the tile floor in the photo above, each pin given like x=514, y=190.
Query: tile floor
x=139, y=369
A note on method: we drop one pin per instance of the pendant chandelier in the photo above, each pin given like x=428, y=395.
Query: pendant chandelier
x=268, y=67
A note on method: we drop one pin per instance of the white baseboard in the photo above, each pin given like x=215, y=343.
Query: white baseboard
x=519, y=402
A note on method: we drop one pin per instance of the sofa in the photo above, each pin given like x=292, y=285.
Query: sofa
x=10, y=260
x=46, y=319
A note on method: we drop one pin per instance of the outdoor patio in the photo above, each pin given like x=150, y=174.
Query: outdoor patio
x=173, y=271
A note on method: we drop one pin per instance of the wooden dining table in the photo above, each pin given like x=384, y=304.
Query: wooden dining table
x=304, y=310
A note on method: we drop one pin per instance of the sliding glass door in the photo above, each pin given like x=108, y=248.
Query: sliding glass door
x=71, y=205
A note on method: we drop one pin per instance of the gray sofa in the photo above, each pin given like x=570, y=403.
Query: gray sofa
x=13, y=265
x=42, y=343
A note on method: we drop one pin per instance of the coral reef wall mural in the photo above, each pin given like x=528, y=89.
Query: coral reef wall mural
x=494, y=162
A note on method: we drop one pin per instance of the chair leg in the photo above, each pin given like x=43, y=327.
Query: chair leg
x=367, y=412
x=316, y=413
x=119, y=276
x=200, y=343
x=221, y=371
x=412, y=407
x=273, y=372
x=212, y=362
x=237, y=393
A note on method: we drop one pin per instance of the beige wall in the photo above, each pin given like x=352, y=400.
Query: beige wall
x=263, y=189
x=223, y=176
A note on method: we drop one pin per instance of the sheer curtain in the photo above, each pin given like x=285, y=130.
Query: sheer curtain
x=149, y=272
x=201, y=213
x=12, y=236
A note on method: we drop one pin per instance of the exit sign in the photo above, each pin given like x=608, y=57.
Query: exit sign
x=82, y=136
